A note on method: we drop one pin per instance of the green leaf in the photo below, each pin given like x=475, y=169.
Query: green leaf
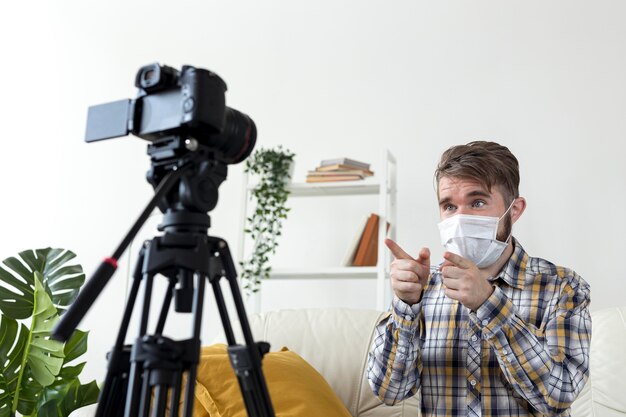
x=45, y=356
x=14, y=306
x=33, y=367
x=71, y=372
x=66, y=393
x=30, y=393
x=13, y=339
x=76, y=345
x=62, y=282
x=62, y=400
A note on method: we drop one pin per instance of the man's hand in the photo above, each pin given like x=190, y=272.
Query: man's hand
x=464, y=282
x=408, y=275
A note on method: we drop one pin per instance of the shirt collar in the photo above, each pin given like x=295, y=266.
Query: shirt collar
x=514, y=271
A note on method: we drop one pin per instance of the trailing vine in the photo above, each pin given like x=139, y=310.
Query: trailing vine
x=265, y=224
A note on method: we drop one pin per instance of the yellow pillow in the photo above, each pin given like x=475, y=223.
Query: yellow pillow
x=296, y=388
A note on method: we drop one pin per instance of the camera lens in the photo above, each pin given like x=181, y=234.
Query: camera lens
x=237, y=138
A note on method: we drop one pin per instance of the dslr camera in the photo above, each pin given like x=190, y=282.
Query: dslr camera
x=189, y=103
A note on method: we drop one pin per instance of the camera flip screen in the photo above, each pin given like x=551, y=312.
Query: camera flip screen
x=106, y=121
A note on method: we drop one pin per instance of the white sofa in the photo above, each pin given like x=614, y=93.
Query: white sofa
x=336, y=342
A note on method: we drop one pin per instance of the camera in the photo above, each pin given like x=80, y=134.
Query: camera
x=189, y=103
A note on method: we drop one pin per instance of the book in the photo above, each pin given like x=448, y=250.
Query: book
x=367, y=252
x=348, y=257
x=333, y=178
x=367, y=244
x=343, y=168
x=327, y=173
x=345, y=161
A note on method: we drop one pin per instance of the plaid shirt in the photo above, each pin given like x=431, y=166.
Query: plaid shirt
x=524, y=352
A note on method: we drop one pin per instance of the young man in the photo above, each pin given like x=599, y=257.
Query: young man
x=491, y=331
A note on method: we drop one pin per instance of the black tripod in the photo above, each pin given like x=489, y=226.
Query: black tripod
x=140, y=377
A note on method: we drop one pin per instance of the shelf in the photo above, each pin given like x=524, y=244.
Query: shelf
x=382, y=187
x=325, y=273
x=304, y=189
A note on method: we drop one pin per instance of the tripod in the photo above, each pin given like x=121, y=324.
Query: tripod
x=142, y=376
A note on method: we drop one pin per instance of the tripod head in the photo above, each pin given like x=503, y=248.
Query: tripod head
x=197, y=189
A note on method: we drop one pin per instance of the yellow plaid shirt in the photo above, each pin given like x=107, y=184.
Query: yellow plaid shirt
x=524, y=352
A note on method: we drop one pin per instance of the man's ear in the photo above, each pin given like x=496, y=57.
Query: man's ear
x=519, y=205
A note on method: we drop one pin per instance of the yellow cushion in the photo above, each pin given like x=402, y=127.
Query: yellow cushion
x=295, y=387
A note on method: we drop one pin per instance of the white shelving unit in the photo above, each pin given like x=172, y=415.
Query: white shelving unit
x=382, y=185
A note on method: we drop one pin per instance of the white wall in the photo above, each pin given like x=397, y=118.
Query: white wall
x=326, y=79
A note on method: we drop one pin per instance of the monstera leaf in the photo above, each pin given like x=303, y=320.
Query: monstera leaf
x=61, y=281
x=71, y=397
x=45, y=356
x=66, y=393
x=35, y=353
x=10, y=331
x=36, y=376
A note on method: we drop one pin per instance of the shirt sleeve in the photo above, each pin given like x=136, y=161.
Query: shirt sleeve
x=394, y=363
x=548, y=366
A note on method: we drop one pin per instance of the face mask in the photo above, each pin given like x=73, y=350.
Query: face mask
x=473, y=237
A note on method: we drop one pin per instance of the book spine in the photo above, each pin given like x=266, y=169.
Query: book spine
x=369, y=238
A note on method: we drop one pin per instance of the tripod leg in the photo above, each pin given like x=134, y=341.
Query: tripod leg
x=246, y=360
x=113, y=389
x=198, y=305
x=144, y=400
x=175, y=395
x=134, y=379
x=221, y=307
x=160, y=400
x=112, y=392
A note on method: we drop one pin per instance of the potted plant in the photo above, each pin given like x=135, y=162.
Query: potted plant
x=37, y=377
x=272, y=167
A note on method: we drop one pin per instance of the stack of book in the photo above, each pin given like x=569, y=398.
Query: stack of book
x=341, y=169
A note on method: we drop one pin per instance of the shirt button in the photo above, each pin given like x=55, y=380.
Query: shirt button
x=473, y=382
x=474, y=338
x=485, y=322
x=407, y=317
x=504, y=351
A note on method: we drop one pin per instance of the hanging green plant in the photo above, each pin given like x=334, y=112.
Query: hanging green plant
x=36, y=377
x=272, y=167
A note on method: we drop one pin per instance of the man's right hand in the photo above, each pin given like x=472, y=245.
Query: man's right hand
x=408, y=275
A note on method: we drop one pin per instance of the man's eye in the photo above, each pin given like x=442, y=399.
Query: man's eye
x=448, y=207
x=478, y=203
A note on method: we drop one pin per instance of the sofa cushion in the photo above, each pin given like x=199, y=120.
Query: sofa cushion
x=295, y=387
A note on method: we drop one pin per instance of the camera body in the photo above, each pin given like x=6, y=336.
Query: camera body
x=189, y=103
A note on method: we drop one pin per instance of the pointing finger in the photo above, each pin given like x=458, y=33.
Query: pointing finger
x=396, y=250
x=424, y=256
x=458, y=260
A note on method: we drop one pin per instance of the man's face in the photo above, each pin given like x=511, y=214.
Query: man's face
x=467, y=196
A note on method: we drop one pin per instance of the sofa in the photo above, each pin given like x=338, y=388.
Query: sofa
x=312, y=332
x=336, y=342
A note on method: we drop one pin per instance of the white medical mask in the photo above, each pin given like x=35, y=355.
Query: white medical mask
x=473, y=237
